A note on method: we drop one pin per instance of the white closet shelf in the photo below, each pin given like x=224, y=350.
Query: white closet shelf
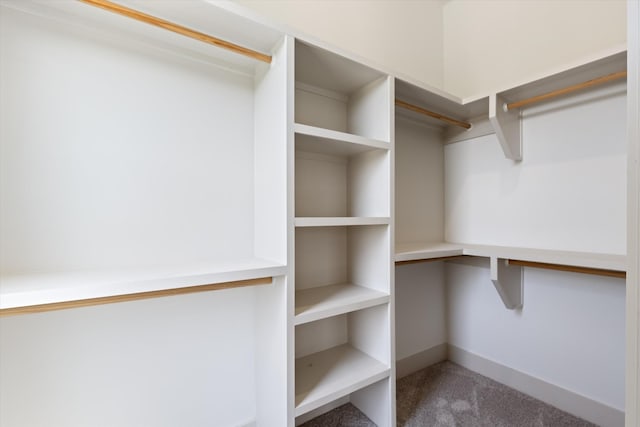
x=327, y=141
x=331, y=374
x=326, y=301
x=325, y=69
x=413, y=251
x=33, y=292
x=204, y=17
x=340, y=221
x=603, y=261
x=426, y=251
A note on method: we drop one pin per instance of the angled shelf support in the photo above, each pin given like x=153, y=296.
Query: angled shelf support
x=508, y=282
x=506, y=124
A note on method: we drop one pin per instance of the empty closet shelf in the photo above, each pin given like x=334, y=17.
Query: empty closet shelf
x=326, y=301
x=415, y=251
x=29, y=293
x=331, y=374
x=339, y=221
x=327, y=141
x=593, y=260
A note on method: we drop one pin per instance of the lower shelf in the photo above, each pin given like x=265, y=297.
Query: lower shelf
x=331, y=374
x=30, y=293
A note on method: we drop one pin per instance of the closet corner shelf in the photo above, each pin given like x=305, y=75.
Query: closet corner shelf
x=586, y=260
x=331, y=374
x=415, y=251
x=602, y=261
x=32, y=293
x=327, y=141
x=327, y=301
x=339, y=221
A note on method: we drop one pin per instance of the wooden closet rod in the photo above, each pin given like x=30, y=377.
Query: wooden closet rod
x=133, y=297
x=571, y=268
x=438, y=116
x=569, y=89
x=143, y=17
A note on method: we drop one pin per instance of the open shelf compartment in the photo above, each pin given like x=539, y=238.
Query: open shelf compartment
x=356, y=255
x=348, y=184
x=336, y=93
x=340, y=355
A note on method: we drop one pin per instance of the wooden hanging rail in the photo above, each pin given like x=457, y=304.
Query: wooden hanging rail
x=571, y=268
x=133, y=297
x=152, y=20
x=566, y=90
x=438, y=116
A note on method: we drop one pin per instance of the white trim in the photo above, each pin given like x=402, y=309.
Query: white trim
x=633, y=217
x=552, y=394
x=421, y=360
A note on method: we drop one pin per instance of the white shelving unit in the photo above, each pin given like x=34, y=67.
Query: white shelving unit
x=151, y=165
x=343, y=290
x=283, y=171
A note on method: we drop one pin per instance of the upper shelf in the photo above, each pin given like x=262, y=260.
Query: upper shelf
x=80, y=287
x=441, y=104
x=423, y=251
x=204, y=17
x=322, y=68
x=426, y=251
x=604, y=69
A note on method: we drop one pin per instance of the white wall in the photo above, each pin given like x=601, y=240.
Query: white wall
x=420, y=308
x=570, y=332
x=402, y=35
x=419, y=216
x=492, y=44
x=184, y=360
x=568, y=193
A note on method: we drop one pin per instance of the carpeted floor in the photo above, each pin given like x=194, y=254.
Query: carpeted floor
x=447, y=395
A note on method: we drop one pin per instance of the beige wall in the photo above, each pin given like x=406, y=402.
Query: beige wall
x=466, y=47
x=490, y=44
x=400, y=35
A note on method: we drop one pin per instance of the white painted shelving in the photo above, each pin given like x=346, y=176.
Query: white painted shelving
x=418, y=251
x=326, y=301
x=342, y=167
x=334, y=373
x=340, y=221
x=37, y=289
x=302, y=194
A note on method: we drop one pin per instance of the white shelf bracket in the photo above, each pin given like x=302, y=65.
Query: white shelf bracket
x=508, y=282
x=506, y=125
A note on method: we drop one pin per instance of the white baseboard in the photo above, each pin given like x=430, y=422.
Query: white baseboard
x=566, y=400
x=421, y=360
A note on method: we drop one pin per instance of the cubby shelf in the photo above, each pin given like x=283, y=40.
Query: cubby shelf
x=325, y=301
x=21, y=291
x=327, y=141
x=330, y=374
x=339, y=221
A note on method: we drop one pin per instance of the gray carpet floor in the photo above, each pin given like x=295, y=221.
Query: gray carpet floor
x=448, y=395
